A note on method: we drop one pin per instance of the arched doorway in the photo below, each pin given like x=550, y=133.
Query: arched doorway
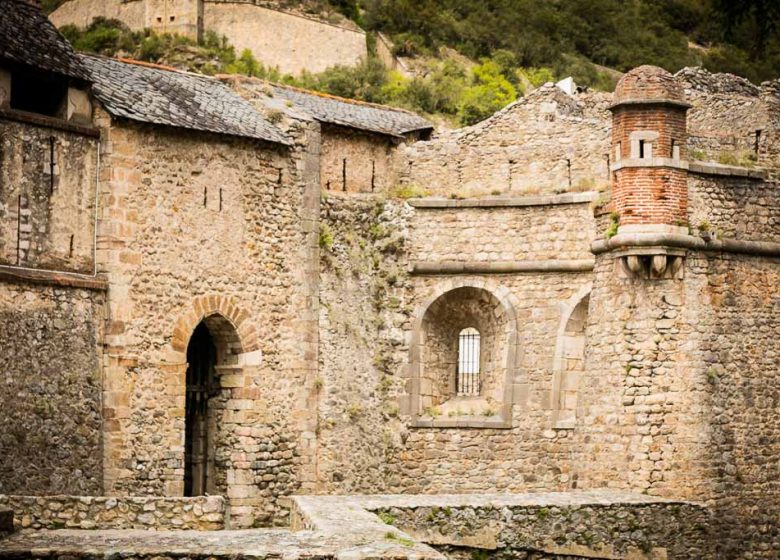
x=202, y=385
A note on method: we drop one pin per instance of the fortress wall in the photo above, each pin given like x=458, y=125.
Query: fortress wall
x=532, y=146
x=739, y=357
x=641, y=424
x=739, y=354
x=735, y=208
x=503, y=234
x=50, y=397
x=369, y=305
x=364, y=161
x=81, y=12
x=207, y=226
x=278, y=39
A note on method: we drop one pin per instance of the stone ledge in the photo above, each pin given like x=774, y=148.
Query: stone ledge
x=501, y=267
x=505, y=202
x=678, y=241
x=651, y=101
x=53, y=278
x=700, y=167
x=712, y=168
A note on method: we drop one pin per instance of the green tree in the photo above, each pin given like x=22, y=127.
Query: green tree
x=490, y=92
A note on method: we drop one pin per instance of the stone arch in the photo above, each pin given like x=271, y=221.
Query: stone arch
x=509, y=347
x=228, y=322
x=568, y=362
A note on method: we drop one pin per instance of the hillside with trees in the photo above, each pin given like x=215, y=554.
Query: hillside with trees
x=472, y=57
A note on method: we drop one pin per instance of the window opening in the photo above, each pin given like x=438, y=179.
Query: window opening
x=468, y=362
x=38, y=92
x=641, y=149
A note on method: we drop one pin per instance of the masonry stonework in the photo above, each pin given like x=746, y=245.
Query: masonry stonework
x=251, y=333
x=288, y=41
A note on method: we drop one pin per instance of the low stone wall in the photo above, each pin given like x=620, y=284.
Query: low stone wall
x=204, y=513
x=597, y=524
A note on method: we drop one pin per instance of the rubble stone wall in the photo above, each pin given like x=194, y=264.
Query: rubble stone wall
x=734, y=208
x=368, y=306
x=50, y=395
x=550, y=527
x=738, y=359
x=547, y=142
x=239, y=223
x=727, y=111
x=203, y=513
x=47, y=220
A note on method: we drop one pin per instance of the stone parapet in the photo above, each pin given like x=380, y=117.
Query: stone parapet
x=204, y=513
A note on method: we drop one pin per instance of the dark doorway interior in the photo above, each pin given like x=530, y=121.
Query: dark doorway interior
x=201, y=386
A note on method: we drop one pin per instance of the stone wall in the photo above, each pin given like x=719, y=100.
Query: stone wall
x=290, y=42
x=204, y=513
x=47, y=220
x=50, y=395
x=738, y=359
x=544, y=143
x=573, y=525
x=353, y=161
x=362, y=312
x=727, y=112
x=369, y=306
x=285, y=40
x=201, y=227
x=734, y=208
x=81, y=12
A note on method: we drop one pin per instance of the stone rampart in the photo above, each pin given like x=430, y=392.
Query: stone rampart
x=286, y=40
x=289, y=42
x=203, y=513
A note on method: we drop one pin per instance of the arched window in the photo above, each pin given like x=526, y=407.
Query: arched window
x=468, y=362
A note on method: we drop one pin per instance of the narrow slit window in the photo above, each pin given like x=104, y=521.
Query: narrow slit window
x=641, y=149
x=468, y=362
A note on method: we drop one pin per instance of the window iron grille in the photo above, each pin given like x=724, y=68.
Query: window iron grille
x=468, y=383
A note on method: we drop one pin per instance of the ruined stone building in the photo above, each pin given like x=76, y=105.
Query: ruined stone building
x=229, y=303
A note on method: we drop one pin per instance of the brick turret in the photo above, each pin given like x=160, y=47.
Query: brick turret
x=649, y=133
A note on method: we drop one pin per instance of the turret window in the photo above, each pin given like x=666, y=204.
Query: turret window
x=642, y=144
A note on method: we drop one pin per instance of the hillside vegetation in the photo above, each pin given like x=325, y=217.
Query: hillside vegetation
x=515, y=45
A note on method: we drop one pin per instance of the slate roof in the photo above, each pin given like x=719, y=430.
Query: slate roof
x=151, y=94
x=354, y=114
x=28, y=37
